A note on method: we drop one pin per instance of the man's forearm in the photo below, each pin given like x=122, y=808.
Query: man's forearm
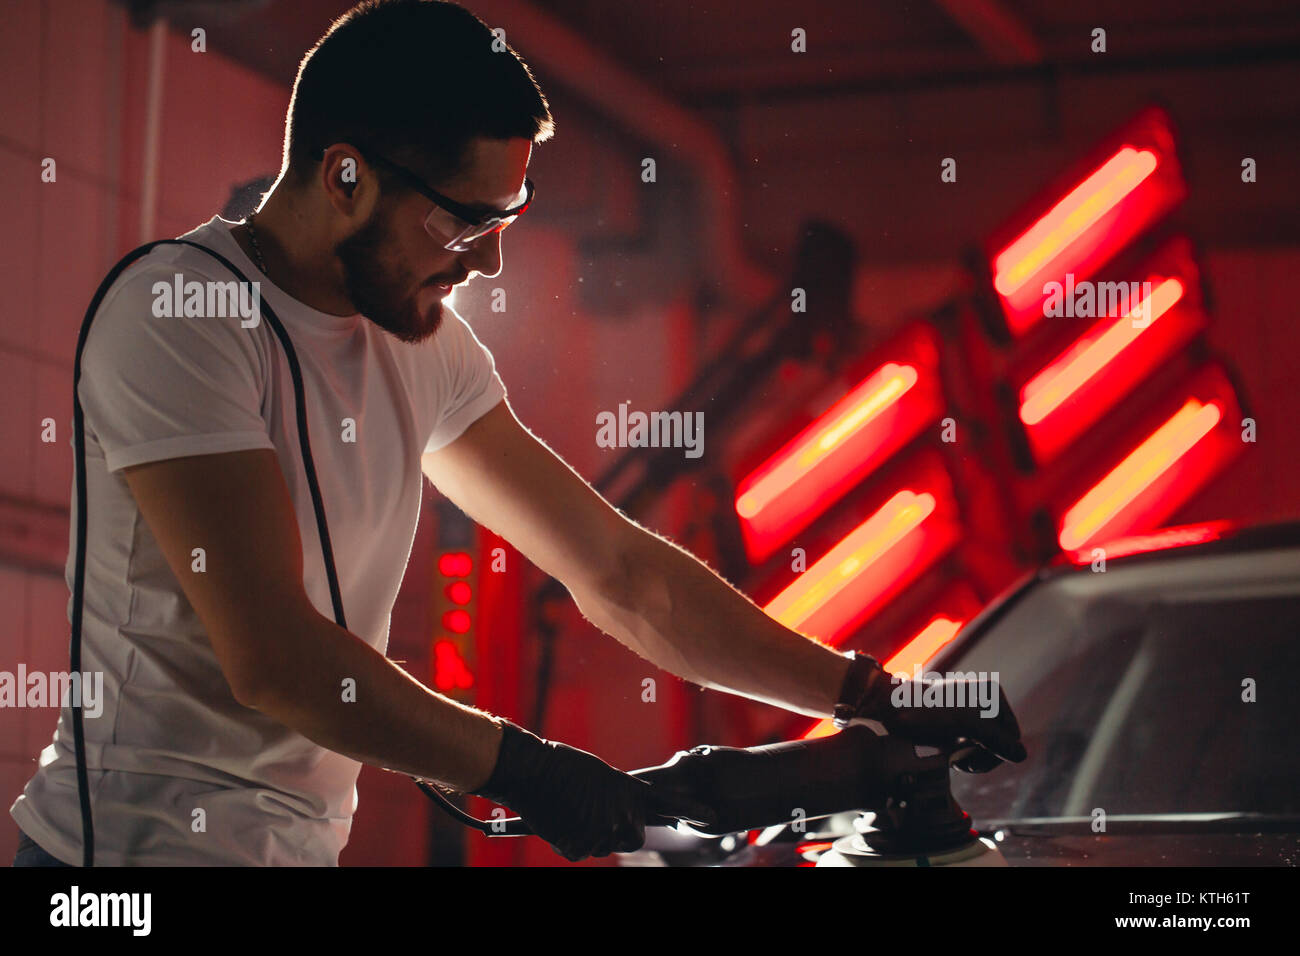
x=386, y=719
x=679, y=614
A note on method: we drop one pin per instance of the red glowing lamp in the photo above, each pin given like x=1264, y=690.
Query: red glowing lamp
x=887, y=408
x=1182, y=536
x=867, y=567
x=1162, y=471
x=1088, y=379
x=450, y=672
x=1083, y=220
x=455, y=564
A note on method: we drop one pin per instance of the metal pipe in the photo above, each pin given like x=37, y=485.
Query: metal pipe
x=152, y=131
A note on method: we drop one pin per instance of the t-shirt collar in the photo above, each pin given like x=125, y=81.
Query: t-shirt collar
x=279, y=298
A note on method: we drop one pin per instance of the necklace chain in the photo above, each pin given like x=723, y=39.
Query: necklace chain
x=257, y=250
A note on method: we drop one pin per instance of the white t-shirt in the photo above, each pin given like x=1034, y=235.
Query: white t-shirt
x=172, y=739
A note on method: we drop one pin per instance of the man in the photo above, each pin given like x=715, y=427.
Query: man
x=237, y=712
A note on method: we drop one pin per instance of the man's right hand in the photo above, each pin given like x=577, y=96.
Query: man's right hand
x=905, y=708
x=572, y=799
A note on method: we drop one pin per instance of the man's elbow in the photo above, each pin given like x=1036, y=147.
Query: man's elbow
x=259, y=660
x=253, y=684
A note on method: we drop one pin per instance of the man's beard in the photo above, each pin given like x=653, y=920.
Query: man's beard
x=374, y=291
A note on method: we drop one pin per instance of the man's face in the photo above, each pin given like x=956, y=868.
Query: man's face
x=396, y=274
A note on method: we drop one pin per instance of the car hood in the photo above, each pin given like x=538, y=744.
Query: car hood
x=1153, y=840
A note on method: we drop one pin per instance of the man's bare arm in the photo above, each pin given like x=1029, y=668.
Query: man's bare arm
x=652, y=596
x=733, y=644
x=279, y=655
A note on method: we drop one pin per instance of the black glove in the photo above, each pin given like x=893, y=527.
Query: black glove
x=755, y=787
x=573, y=800
x=905, y=708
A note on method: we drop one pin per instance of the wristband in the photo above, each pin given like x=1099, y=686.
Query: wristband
x=864, y=673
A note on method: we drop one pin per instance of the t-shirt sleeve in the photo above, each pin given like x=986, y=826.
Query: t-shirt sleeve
x=155, y=387
x=471, y=386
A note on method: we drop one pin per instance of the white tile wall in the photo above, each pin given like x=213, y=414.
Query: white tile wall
x=19, y=206
x=19, y=430
x=47, y=647
x=52, y=462
x=78, y=98
x=20, y=48
x=71, y=264
x=13, y=649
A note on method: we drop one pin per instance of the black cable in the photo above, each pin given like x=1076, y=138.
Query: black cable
x=511, y=826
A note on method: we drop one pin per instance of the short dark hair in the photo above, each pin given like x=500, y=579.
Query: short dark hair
x=415, y=80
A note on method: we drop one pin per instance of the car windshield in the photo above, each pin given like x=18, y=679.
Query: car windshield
x=1136, y=701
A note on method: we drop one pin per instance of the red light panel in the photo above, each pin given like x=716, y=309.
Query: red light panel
x=1069, y=221
x=1088, y=379
x=458, y=592
x=1162, y=472
x=869, y=565
x=1131, y=186
x=852, y=438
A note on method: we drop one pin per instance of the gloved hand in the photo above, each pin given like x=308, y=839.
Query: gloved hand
x=575, y=801
x=941, y=713
x=754, y=787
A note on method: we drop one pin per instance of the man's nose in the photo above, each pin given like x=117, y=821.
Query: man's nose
x=485, y=256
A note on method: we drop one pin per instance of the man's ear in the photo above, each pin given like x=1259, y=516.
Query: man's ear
x=342, y=171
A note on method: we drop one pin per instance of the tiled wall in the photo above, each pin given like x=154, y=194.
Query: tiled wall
x=75, y=75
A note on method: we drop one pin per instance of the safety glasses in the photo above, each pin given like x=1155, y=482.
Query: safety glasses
x=456, y=226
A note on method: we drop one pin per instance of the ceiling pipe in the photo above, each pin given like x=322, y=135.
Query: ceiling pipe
x=607, y=86
x=999, y=31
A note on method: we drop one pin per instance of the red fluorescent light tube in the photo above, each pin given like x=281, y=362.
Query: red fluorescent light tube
x=1084, y=382
x=1070, y=220
x=828, y=458
x=1126, y=191
x=1180, y=537
x=1108, y=507
x=900, y=540
x=851, y=557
